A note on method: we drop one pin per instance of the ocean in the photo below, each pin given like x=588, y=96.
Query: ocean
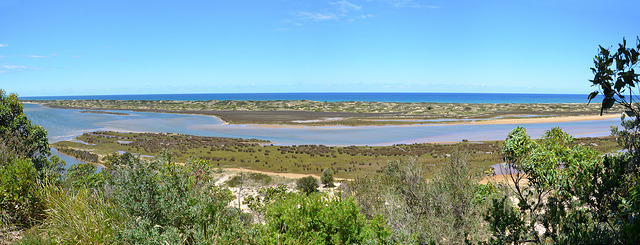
x=332, y=97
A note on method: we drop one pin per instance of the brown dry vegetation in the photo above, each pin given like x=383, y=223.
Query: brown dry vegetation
x=346, y=162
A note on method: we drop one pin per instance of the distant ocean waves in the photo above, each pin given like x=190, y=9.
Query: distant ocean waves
x=332, y=97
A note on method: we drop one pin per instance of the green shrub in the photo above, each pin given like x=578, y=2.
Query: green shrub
x=84, y=175
x=168, y=203
x=307, y=184
x=445, y=209
x=574, y=193
x=327, y=177
x=19, y=201
x=18, y=136
x=24, y=149
x=319, y=219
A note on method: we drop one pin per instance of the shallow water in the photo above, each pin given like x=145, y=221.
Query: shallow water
x=65, y=124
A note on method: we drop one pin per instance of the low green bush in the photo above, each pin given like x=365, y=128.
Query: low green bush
x=327, y=177
x=307, y=184
x=19, y=202
x=319, y=219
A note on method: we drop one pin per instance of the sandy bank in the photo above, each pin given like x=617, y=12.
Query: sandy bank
x=286, y=175
x=545, y=119
x=478, y=122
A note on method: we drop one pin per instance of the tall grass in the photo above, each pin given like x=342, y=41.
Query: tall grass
x=79, y=216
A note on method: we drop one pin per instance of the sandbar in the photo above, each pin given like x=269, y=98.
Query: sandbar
x=545, y=119
x=478, y=122
x=286, y=175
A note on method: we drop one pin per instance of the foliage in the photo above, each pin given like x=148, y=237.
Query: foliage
x=318, y=219
x=18, y=137
x=307, y=184
x=84, y=175
x=265, y=197
x=327, y=177
x=563, y=193
x=621, y=173
x=346, y=162
x=446, y=209
x=78, y=216
x=614, y=83
x=19, y=202
x=167, y=202
x=24, y=152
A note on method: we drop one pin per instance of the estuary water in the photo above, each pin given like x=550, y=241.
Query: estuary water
x=66, y=124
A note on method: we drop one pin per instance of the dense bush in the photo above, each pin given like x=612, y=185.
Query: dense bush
x=84, y=175
x=327, y=177
x=19, y=202
x=564, y=193
x=445, y=209
x=307, y=184
x=23, y=162
x=319, y=219
x=18, y=137
x=166, y=202
x=249, y=178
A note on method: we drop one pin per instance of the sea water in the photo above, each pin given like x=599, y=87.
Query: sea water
x=333, y=97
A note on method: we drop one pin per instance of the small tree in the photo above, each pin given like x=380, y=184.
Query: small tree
x=307, y=184
x=553, y=185
x=23, y=161
x=618, y=195
x=327, y=177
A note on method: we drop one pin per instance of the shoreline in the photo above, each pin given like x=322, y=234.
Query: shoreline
x=402, y=122
x=314, y=113
x=556, y=119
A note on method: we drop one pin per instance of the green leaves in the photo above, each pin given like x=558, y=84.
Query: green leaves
x=606, y=104
x=560, y=184
x=592, y=95
x=623, y=74
x=319, y=219
x=307, y=184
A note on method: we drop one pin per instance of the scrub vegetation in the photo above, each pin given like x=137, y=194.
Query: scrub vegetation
x=343, y=162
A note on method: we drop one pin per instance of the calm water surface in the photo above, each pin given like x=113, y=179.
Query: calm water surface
x=380, y=97
x=65, y=124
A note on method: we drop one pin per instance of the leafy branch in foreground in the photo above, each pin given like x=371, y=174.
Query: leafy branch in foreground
x=621, y=176
x=614, y=83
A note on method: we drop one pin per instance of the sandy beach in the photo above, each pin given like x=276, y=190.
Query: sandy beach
x=545, y=119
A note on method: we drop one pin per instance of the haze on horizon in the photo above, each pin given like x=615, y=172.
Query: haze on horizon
x=76, y=47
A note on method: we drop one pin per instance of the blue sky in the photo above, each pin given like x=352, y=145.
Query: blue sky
x=240, y=46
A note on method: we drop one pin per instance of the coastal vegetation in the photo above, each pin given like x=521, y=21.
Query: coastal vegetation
x=343, y=162
x=350, y=113
x=558, y=190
